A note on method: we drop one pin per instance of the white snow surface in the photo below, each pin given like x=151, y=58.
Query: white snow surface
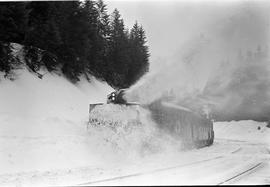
x=246, y=130
x=44, y=141
x=43, y=122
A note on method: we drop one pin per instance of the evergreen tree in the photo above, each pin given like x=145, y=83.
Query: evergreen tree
x=118, y=51
x=74, y=29
x=7, y=60
x=103, y=34
x=103, y=20
x=144, y=51
x=13, y=18
x=78, y=37
x=43, y=33
x=91, y=14
x=138, y=53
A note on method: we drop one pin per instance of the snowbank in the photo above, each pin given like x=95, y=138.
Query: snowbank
x=43, y=122
x=248, y=130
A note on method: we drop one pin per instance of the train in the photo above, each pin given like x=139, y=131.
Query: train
x=193, y=129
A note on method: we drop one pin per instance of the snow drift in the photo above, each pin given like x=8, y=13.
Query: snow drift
x=43, y=122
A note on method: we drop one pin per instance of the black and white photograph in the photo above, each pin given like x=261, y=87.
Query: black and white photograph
x=134, y=93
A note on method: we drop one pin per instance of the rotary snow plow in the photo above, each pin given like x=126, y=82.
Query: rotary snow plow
x=117, y=112
x=191, y=128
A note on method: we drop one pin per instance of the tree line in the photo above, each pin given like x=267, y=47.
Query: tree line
x=77, y=37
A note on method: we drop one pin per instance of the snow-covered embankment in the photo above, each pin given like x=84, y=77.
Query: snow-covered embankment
x=43, y=122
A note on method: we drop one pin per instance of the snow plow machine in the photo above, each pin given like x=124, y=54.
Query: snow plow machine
x=193, y=129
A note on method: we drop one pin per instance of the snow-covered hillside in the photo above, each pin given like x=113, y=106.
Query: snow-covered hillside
x=43, y=122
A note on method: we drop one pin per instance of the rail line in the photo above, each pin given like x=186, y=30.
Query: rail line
x=241, y=174
x=175, y=167
x=150, y=172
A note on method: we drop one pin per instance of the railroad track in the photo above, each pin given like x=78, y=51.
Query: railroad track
x=225, y=181
x=239, y=175
x=150, y=172
x=156, y=170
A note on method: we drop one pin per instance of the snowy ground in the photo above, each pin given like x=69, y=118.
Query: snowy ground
x=44, y=142
x=241, y=159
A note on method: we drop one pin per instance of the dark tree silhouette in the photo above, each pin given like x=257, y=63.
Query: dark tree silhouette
x=76, y=37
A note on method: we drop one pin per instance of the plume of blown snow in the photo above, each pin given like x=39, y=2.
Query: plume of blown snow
x=235, y=31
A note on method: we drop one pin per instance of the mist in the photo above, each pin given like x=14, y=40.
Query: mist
x=219, y=60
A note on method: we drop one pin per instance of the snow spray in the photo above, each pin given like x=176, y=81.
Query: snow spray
x=232, y=44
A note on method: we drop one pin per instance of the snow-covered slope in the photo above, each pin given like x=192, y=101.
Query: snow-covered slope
x=43, y=122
